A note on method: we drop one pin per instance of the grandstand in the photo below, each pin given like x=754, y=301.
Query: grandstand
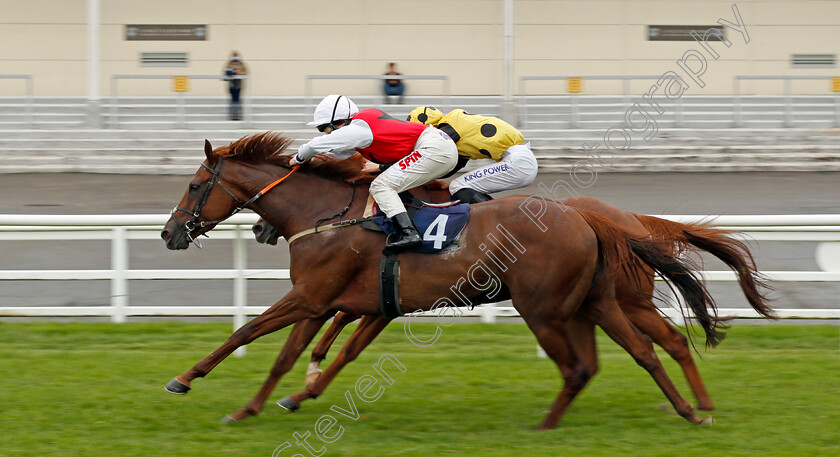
x=147, y=135
x=762, y=76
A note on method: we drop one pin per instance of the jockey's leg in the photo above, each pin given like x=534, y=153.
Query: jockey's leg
x=517, y=168
x=435, y=154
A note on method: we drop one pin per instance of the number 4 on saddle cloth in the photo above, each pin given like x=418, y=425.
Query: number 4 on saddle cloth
x=439, y=223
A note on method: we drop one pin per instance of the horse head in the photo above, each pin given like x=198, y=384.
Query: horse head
x=221, y=188
x=205, y=203
x=265, y=233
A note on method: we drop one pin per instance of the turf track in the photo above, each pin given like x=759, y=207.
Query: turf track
x=81, y=389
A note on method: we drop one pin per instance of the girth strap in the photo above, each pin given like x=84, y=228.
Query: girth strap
x=389, y=279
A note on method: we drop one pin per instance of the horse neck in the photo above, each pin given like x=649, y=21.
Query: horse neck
x=299, y=202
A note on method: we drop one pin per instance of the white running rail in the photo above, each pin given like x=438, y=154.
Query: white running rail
x=119, y=229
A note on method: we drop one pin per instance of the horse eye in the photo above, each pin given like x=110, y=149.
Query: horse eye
x=194, y=186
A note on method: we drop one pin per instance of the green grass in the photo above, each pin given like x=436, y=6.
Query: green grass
x=72, y=389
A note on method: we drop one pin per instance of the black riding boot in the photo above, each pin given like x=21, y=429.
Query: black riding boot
x=467, y=195
x=407, y=234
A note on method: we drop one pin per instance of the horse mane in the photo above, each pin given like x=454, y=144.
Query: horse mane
x=265, y=147
x=269, y=147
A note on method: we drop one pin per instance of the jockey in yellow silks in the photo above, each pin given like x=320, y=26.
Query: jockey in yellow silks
x=482, y=137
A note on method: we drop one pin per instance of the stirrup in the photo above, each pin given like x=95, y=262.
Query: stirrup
x=407, y=241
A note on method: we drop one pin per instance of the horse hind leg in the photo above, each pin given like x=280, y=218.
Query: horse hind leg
x=613, y=321
x=319, y=353
x=649, y=322
x=369, y=328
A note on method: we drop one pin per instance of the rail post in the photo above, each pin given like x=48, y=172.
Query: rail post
x=788, y=104
x=30, y=102
x=119, y=265
x=736, y=105
x=112, y=121
x=240, y=283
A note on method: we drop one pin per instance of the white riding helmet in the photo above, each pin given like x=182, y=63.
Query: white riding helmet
x=333, y=108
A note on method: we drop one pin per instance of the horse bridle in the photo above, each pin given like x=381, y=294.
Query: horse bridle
x=195, y=223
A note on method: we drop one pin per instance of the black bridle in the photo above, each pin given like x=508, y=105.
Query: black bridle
x=194, y=223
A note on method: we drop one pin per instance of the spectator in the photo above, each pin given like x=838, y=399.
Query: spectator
x=393, y=87
x=235, y=67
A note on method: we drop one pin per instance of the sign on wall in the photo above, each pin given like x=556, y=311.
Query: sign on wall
x=679, y=32
x=575, y=85
x=181, y=83
x=165, y=32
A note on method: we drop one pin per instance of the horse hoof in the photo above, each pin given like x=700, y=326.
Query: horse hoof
x=288, y=403
x=707, y=421
x=176, y=387
x=228, y=420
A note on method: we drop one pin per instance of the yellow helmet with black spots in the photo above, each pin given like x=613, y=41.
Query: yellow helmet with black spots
x=428, y=115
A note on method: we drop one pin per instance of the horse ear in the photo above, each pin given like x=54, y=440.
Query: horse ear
x=208, y=150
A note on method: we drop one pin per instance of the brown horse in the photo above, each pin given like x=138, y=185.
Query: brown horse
x=548, y=276
x=638, y=308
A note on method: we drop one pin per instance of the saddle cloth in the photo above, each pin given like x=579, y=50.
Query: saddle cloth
x=439, y=224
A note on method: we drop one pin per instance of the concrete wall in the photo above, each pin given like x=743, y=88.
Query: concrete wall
x=284, y=40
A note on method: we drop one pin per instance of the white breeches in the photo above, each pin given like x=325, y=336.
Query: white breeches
x=518, y=168
x=435, y=154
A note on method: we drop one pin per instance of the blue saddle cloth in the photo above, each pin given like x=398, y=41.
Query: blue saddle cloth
x=439, y=226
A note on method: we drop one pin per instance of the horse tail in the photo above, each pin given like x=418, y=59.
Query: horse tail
x=719, y=243
x=619, y=248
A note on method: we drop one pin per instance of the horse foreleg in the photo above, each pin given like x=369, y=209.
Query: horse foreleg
x=319, y=353
x=609, y=317
x=283, y=313
x=652, y=324
x=368, y=329
x=300, y=337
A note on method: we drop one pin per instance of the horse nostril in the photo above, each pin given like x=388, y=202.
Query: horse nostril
x=165, y=235
x=257, y=229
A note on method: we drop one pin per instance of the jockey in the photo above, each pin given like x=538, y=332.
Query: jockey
x=419, y=154
x=482, y=137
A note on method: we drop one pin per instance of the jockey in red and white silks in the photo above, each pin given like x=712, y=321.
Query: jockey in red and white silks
x=417, y=154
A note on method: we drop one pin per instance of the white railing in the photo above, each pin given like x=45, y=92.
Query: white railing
x=29, y=102
x=574, y=108
x=180, y=97
x=119, y=229
x=788, y=98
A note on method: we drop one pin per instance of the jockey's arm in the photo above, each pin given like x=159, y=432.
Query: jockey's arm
x=341, y=143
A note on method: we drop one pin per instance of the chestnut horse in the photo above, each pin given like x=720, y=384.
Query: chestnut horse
x=548, y=276
x=638, y=308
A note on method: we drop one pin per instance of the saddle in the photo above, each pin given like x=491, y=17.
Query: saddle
x=439, y=223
